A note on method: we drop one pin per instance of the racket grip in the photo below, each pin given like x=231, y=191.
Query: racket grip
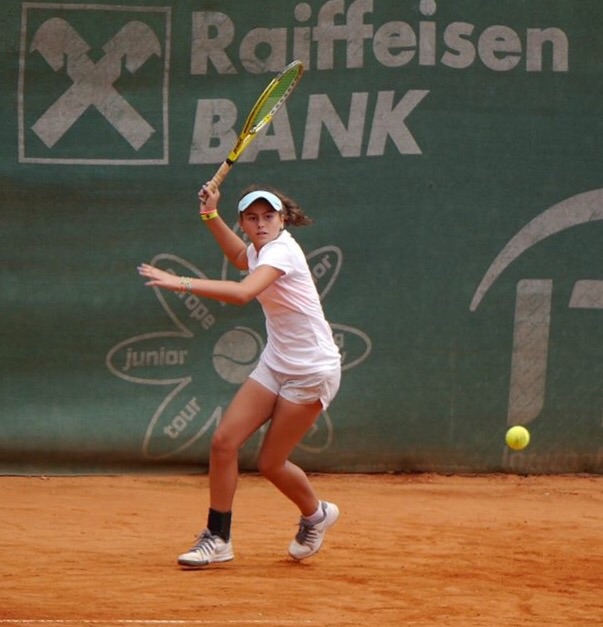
x=221, y=174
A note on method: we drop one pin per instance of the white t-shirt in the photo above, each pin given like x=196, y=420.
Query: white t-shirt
x=300, y=340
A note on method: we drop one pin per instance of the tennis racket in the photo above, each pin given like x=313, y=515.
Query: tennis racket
x=269, y=102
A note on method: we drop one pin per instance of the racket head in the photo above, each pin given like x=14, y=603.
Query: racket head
x=269, y=102
x=272, y=98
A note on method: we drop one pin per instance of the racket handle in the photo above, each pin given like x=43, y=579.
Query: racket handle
x=221, y=174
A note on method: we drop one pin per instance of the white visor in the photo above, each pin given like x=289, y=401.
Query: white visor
x=272, y=199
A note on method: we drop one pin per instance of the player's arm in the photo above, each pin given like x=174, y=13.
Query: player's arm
x=232, y=292
x=231, y=244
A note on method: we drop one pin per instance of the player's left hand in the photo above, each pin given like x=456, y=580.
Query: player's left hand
x=158, y=278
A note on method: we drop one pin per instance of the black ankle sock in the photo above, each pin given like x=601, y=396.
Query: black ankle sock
x=218, y=523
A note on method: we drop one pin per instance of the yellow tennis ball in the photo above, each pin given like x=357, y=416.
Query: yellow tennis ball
x=517, y=438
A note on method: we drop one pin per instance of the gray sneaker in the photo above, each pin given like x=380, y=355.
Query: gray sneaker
x=207, y=550
x=309, y=538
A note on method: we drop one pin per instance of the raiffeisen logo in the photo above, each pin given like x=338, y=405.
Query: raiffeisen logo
x=77, y=86
x=203, y=351
x=100, y=96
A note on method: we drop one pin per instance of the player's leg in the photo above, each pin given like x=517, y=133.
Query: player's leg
x=290, y=422
x=250, y=408
x=248, y=411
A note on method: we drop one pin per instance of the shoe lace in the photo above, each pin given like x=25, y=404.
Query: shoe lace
x=307, y=533
x=205, y=544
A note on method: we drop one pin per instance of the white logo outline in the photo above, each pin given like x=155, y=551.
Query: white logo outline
x=135, y=137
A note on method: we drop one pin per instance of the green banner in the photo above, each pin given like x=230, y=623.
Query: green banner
x=449, y=153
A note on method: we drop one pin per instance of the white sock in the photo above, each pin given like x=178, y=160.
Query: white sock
x=317, y=516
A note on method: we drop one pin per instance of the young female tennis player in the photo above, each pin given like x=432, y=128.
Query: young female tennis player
x=297, y=375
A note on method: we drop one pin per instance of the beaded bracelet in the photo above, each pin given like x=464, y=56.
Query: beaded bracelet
x=209, y=215
x=186, y=285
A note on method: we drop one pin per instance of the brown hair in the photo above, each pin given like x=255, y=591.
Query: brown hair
x=293, y=213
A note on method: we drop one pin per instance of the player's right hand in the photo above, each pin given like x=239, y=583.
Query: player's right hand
x=209, y=197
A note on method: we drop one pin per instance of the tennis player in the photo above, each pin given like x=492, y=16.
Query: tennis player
x=296, y=378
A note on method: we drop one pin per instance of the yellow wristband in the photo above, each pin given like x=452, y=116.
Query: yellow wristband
x=209, y=215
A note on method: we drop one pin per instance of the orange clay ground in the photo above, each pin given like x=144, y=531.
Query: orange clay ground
x=445, y=551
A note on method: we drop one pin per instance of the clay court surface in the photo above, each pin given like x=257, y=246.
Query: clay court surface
x=425, y=550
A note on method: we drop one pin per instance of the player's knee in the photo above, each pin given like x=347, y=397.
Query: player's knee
x=264, y=468
x=269, y=467
x=222, y=445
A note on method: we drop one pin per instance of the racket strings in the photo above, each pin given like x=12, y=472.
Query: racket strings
x=271, y=99
x=275, y=95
